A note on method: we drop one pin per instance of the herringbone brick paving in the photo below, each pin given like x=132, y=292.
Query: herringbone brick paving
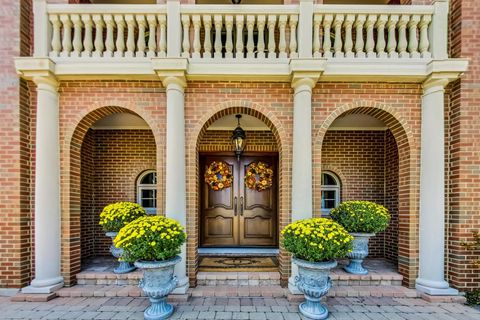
x=237, y=308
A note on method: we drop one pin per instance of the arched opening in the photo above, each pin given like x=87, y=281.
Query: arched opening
x=264, y=213
x=370, y=149
x=110, y=149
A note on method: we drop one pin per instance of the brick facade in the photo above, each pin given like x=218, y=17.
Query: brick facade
x=84, y=102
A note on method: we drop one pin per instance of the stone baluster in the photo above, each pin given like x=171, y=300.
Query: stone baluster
x=392, y=42
x=152, y=35
x=207, y=43
x=77, y=35
x=197, y=24
x=380, y=25
x=120, y=42
x=130, y=19
x=293, y=22
x=348, y=46
x=317, y=39
x=186, y=36
x=402, y=36
x=282, y=43
x=162, y=43
x=370, y=43
x=99, y=44
x=142, y=24
x=239, y=21
x=88, y=38
x=424, y=43
x=327, y=41
x=250, y=44
x=337, y=44
x=67, y=35
x=359, y=44
x=218, y=35
x=272, y=21
x=229, y=40
x=56, y=42
x=261, y=36
x=109, y=42
x=412, y=36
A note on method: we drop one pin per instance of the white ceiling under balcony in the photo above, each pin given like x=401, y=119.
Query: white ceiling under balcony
x=248, y=123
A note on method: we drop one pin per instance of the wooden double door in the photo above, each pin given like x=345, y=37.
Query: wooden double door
x=238, y=215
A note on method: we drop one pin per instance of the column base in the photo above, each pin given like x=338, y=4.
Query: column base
x=435, y=288
x=43, y=290
x=182, y=286
x=292, y=287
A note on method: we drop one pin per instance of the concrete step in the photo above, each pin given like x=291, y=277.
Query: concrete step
x=238, y=291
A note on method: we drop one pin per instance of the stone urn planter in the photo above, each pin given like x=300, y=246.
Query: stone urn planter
x=359, y=252
x=123, y=267
x=313, y=281
x=157, y=283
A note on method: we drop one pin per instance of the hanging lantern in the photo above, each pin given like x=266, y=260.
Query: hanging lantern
x=238, y=138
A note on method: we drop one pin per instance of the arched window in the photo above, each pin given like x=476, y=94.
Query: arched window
x=330, y=192
x=147, y=191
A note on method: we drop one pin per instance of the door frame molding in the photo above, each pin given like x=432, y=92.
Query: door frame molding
x=204, y=154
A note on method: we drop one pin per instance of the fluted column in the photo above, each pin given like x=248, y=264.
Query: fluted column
x=47, y=190
x=302, y=157
x=176, y=194
x=431, y=278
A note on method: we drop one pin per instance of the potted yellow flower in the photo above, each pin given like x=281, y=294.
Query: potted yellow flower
x=153, y=243
x=112, y=219
x=315, y=244
x=363, y=219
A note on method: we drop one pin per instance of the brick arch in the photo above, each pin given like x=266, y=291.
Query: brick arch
x=193, y=183
x=71, y=179
x=408, y=156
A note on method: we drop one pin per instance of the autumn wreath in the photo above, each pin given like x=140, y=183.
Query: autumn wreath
x=218, y=176
x=259, y=176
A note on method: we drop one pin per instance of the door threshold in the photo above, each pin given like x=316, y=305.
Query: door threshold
x=238, y=252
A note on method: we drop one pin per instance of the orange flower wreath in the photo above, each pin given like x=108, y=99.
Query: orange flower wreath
x=218, y=176
x=259, y=176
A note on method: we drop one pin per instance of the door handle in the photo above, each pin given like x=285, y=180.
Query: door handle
x=241, y=205
x=235, y=206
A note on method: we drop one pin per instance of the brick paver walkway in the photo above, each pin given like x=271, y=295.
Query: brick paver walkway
x=237, y=308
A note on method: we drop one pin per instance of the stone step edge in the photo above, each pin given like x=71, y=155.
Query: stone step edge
x=239, y=291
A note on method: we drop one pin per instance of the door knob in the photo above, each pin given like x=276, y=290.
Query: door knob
x=241, y=205
x=235, y=206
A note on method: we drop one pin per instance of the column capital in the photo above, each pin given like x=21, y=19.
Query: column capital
x=32, y=68
x=171, y=71
x=305, y=73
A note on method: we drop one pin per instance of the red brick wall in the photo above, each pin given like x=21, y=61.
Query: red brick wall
x=112, y=160
x=365, y=162
x=391, y=196
x=15, y=246
x=464, y=149
x=220, y=140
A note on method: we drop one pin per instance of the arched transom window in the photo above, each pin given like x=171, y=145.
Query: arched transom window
x=330, y=192
x=147, y=191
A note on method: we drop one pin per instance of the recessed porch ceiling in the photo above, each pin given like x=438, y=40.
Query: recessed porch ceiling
x=248, y=123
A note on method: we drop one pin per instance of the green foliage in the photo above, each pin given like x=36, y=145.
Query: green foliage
x=152, y=238
x=361, y=216
x=474, y=246
x=473, y=297
x=116, y=215
x=317, y=240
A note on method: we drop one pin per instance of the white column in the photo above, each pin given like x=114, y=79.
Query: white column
x=432, y=189
x=302, y=158
x=176, y=205
x=47, y=190
x=305, y=29
x=174, y=29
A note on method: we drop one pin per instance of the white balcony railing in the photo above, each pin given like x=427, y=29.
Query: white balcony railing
x=255, y=33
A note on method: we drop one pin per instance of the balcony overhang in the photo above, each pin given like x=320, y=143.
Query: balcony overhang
x=352, y=70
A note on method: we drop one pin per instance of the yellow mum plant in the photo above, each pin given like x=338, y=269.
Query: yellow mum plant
x=316, y=240
x=116, y=215
x=361, y=216
x=151, y=238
